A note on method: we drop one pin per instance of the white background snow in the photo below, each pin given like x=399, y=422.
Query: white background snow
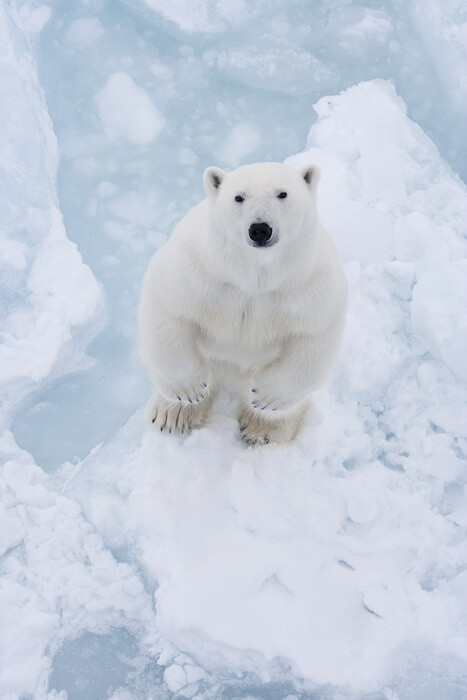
x=134, y=565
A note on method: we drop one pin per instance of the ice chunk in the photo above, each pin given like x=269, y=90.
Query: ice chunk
x=243, y=140
x=127, y=112
x=359, y=30
x=31, y=19
x=175, y=677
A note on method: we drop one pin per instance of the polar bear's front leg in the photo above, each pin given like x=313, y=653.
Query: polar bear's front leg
x=183, y=388
x=170, y=354
x=289, y=380
x=276, y=400
x=173, y=416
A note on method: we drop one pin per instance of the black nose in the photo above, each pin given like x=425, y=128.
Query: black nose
x=260, y=233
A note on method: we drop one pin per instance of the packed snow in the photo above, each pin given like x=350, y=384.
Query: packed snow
x=138, y=565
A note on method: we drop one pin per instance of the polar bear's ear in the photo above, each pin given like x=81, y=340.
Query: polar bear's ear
x=212, y=178
x=311, y=175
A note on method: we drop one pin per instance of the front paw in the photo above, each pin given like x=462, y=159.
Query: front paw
x=188, y=393
x=265, y=399
x=174, y=416
x=262, y=428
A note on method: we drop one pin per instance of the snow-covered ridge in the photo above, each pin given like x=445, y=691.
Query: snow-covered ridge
x=398, y=203
x=47, y=291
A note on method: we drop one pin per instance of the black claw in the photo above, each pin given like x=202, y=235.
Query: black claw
x=178, y=397
x=178, y=416
x=205, y=385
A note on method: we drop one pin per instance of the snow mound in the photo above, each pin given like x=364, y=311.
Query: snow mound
x=397, y=198
x=334, y=557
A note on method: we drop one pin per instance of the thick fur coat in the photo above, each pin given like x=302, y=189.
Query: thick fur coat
x=249, y=281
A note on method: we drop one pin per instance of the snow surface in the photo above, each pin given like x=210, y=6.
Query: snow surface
x=135, y=565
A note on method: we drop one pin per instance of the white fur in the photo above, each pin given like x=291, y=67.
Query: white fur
x=273, y=314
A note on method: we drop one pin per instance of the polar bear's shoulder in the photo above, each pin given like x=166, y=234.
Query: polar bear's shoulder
x=192, y=223
x=174, y=278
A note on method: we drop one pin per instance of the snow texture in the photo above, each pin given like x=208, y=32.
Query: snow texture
x=136, y=565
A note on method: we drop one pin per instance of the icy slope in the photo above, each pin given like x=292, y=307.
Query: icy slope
x=343, y=555
x=41, y=268
x=56, y=576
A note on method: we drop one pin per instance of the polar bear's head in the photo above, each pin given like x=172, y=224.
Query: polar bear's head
x=263, y=204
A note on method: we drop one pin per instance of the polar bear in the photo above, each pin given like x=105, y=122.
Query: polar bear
x=249, y=281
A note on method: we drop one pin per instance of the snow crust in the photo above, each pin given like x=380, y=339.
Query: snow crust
x=135, y=565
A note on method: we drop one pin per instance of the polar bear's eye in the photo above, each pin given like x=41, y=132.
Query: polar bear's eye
x=282, y=195
x=239, y=198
